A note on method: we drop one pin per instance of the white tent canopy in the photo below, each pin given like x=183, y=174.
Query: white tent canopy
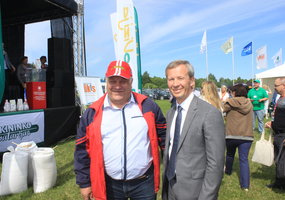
x=272, y=73
x=268, y=77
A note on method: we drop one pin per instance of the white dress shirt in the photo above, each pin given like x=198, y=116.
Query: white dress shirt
x=185, y=106
x=131, y=154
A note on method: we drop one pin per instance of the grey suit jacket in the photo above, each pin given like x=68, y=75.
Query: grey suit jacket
x=200, y=153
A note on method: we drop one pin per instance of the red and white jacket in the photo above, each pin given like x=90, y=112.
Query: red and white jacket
x=88, y=156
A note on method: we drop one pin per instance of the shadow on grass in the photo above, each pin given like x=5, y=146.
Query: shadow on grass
x=66, y=173
x=264, y=172
x=279, y=191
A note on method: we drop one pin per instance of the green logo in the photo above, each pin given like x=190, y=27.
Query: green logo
x=19, y=130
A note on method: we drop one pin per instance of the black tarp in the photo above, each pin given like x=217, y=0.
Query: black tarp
x=60, y=123
x=29, y=11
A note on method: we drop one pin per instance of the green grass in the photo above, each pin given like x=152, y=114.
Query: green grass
x=66, y=189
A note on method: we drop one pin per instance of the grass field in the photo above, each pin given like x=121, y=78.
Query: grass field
x=66, y=189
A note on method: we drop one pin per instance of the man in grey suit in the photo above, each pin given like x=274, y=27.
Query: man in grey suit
x=195, y=140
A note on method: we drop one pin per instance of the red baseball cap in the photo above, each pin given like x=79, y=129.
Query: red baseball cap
x=119, y=68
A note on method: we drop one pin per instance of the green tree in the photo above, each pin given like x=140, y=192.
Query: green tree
x=150, y=86
x=158, y=81
x=198, y=82
x=145, y=78
x=212, y=77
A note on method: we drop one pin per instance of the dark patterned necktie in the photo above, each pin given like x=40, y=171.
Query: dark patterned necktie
x=170, y=173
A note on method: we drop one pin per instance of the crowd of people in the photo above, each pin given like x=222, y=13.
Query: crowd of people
x=15, y=77
x=121, y=135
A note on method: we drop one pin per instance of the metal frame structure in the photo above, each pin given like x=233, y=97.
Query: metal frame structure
x=79, y=41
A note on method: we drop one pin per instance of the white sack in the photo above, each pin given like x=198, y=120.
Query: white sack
x=44, y=166
x=28, y=147
x=14, y=172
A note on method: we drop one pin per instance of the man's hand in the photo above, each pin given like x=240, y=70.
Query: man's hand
x=86, y=193
x=268, y=124
x=13, y=68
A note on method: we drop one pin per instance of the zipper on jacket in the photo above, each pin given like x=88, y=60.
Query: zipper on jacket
x=125, y=144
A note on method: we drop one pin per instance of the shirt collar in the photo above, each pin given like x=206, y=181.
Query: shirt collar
x=186, y=103
x=107, y=103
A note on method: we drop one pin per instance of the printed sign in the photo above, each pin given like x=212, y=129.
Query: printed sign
x=89, y=89
x=21, y=128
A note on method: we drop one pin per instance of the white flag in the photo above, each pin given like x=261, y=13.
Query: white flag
x=124, y=35
x=261, y=57
x=277, y=58
x=227, y=47
x=203, y=46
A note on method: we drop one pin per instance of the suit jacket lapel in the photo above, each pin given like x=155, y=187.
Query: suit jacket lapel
x=192, y=110
x=170, y=116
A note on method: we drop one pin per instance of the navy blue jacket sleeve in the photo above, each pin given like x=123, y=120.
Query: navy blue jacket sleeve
x=81, y=156
x=160, y=121
x=160, y=126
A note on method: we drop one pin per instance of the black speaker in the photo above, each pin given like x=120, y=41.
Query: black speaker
x=60, y=73
x=60, y=55
x=60, y=97
x=54, y=97
x=55, y=78
x=68, y=97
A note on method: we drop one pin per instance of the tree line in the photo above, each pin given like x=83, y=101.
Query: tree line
x=158, y=82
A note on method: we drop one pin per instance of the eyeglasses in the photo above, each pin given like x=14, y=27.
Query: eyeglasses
x=277, y=85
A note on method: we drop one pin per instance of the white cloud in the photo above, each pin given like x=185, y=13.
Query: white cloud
x=36, y=36
x=189, y=23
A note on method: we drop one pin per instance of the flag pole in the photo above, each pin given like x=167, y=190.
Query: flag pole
x=207, y=68
x=233, y=62
x=252, y=74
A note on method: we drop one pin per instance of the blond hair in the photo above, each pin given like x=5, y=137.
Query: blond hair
x=176, y=63
x=266, y=87
x=210, y=94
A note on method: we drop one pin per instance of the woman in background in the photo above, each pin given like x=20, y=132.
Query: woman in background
x=239, y=133
x=209, y=93
x=224, y=95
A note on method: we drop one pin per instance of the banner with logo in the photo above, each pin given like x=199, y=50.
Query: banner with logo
x=89, y=89
x=21, y=128
x=227, y=47
x=277, y=58
x=126, y=38
x=261, y=57
x=247, y=50
x=2, y=71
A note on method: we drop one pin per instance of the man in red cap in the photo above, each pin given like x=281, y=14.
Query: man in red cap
x=118, y=139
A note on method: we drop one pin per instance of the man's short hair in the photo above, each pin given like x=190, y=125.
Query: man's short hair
x=23, y=58
x=43, y=57
x=176, y=63
x=282, y=79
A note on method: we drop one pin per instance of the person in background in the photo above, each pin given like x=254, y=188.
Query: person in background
x=258, y=96
x=266, y=103
x=117, y=143
x=22, y=71
x=43, y=60
x=195, y=140
x=239, y=132
x=278, y=126
x=9, y=69
x=223, y=94
x=275, y=98
x=209, y=93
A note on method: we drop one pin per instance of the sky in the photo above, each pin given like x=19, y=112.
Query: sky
x=173, y=29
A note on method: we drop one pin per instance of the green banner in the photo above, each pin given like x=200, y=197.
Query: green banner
x=138, y=52
x=2, y=71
